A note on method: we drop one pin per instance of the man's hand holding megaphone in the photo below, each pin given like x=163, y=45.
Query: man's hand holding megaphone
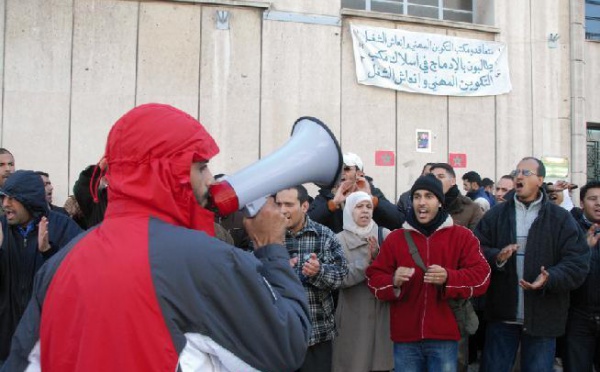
x=268, y=226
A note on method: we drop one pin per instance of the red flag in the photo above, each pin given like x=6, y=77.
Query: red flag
x=385, y=158
x=457, y=160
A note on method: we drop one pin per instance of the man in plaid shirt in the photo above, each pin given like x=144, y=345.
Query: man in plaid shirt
x=318, y=258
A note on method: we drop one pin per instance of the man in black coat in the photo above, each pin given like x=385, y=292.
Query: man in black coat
x=49, y=189
x=31, y=234
x=538, y=255
x=327, y=207
x=583, y=324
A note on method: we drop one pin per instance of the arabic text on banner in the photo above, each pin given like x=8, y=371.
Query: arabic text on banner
x=429, y=63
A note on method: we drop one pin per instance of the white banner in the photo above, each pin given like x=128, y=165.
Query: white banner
x=429, y=63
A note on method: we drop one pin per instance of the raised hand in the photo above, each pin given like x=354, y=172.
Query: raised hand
x=344, y=189
x=592, y=236
x=43, y=240
x=363, y=185
x=373, y=248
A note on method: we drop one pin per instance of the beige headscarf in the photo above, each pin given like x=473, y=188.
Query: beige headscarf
x=349, y=223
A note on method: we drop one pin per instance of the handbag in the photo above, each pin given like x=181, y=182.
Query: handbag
x=466, y=319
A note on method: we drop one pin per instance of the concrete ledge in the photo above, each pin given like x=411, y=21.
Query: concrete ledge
x=250, y=4
x=316, y=19
x=417, y=20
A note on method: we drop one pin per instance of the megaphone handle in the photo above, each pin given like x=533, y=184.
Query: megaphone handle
x=251, y=209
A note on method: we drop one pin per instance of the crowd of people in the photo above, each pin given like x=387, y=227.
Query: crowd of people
x=129, y=276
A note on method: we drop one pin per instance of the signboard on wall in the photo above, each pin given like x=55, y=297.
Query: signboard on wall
x=556, y=167
x=425, y=63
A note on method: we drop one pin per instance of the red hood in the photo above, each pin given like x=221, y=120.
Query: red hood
x=150, y=151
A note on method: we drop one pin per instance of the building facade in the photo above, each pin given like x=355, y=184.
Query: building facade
x=249, y=69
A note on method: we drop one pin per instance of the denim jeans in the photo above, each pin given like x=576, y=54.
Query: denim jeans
x=501, y=344
x=426, y=355
x=583, y=341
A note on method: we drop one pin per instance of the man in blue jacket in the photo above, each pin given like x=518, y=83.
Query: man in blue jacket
x=31, y=234
x=473, y=185
x=538, y=255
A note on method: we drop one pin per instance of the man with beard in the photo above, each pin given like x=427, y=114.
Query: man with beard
x=472, y=185
x=49, y=189
x=32, y=234
x=538, y=255
x=7, y=165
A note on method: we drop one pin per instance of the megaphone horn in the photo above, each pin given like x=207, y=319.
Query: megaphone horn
x=311, y=154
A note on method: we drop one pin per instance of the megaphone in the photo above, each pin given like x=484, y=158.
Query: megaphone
x=312, y=154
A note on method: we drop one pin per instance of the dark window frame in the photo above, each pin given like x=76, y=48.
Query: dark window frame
x=403, y=5
x=592, y=33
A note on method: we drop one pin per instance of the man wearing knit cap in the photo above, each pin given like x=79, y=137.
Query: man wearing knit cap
x=465, y=212
x=420, y=267
x=327, y=207
x=30, y=234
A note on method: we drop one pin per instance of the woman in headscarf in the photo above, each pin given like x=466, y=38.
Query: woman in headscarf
x=363, y=342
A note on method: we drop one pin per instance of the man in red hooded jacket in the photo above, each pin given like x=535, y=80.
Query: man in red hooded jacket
x=150, y=289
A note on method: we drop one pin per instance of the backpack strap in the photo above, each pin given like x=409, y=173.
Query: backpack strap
x=414, y=252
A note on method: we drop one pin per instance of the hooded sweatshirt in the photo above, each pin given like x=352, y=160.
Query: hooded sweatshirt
x=420, y=310
x=20, y=258
x=150, y=289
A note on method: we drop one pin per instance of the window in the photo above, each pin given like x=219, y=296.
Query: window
x=593, y=152
x=450, y=10
x=592, y=19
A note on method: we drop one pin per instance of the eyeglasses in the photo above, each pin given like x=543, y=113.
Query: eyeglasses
x=524, y=172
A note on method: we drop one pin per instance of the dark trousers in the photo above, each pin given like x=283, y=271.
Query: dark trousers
x=583, y=341
x=318, y=358
x=477, y=341
x=463, y=355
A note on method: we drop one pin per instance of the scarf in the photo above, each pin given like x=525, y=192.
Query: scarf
x=451, y=196
x=349, y=224
x=428, y=228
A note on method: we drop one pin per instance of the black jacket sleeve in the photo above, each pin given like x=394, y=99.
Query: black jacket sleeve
x=387, y=214
x=319, y=211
